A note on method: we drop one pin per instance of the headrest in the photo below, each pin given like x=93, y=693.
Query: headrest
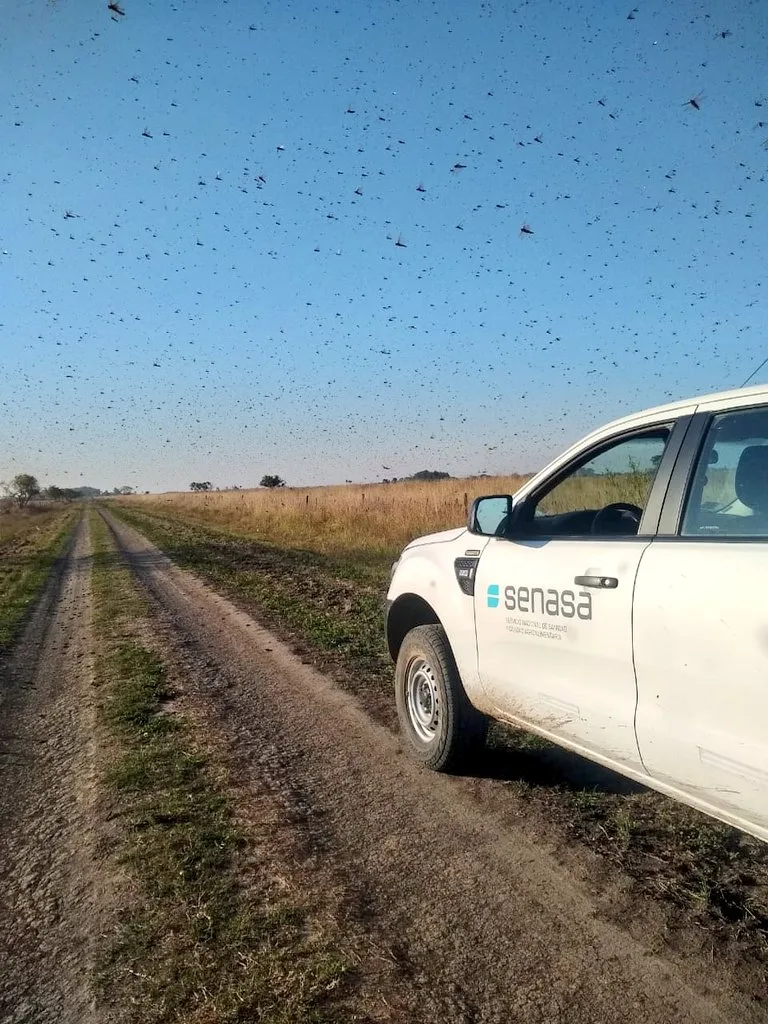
x=751, y=481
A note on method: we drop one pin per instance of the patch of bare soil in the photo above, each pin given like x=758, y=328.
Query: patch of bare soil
x=50, y=888
x=481, y=918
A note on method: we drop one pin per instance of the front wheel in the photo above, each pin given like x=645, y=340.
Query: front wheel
x=440, y=726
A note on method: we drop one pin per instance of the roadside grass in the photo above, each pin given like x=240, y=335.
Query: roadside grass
x=370, y=522
x=30, y=547
x=193, y=943
x=16, y=522
x=332, y=610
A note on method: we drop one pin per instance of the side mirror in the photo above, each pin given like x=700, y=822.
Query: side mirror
x=490, y=516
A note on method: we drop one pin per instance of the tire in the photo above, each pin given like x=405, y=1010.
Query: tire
x=439, y=726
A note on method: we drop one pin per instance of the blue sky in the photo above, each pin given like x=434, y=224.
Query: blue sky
x=228, y=298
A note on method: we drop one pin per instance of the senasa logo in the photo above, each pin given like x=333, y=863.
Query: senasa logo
x=554, y=603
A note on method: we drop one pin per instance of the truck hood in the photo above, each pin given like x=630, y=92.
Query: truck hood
x=444, y=537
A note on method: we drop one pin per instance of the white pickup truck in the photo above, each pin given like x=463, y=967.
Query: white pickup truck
x=617, y=605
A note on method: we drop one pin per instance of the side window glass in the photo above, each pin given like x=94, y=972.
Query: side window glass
x=605, y=495
x=728, y=496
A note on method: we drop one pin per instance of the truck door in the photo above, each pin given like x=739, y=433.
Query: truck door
x=701, y=624
x=553, y=600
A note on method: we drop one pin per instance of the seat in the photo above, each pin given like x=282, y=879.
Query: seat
x=751, y=485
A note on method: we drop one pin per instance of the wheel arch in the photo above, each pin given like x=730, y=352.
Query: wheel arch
x=405, y=613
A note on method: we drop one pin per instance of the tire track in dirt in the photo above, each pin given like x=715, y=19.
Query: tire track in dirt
x=49, y=885
x=483, y=925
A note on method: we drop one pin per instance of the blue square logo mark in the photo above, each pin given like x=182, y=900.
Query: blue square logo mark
x=493, y=595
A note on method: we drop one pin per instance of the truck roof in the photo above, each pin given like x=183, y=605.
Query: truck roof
x=756, y=391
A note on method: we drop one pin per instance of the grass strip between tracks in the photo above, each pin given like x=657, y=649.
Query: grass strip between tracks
x=194, y=943
x=26, y=561
x=700, y=869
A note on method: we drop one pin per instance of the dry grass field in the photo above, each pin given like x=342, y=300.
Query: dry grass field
x=375, y=518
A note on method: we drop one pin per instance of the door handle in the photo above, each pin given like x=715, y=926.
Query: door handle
x=602, y=582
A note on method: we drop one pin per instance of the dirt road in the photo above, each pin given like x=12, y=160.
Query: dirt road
x=440, y=879
x=51, y=890
x=482, y=923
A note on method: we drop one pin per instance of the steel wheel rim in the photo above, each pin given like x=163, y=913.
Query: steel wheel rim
x=422, y=698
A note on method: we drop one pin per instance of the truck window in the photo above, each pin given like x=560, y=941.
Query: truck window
x=621, y=472
x=728, y=496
